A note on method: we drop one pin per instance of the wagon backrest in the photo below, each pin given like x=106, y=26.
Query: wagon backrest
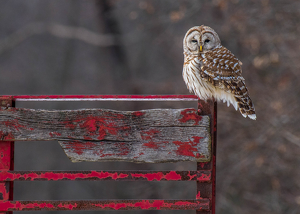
x=151, y=136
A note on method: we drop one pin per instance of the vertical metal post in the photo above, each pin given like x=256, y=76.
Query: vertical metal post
x=208, y=190
x=6, y=158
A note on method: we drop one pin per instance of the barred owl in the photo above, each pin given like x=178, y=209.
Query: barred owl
x=212, y=71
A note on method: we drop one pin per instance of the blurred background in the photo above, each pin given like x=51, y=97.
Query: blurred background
x=135, y=47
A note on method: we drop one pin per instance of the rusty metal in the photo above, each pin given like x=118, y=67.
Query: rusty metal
x=201, y=204
x=105, y=98
x=208, y=190
x=137, y=175
x=6, y=159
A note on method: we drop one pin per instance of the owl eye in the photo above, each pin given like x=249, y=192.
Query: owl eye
x=194, y=41
x=206, y=41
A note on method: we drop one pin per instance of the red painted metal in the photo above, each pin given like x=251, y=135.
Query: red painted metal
x=214, y=155
x=208, y=190
x=202, y=204
x=141, y=175
x=104, y=97
x=6, y=160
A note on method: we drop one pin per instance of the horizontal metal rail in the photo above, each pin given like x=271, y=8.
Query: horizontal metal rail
x=103, y=97
x=201, y=176
x=199, y=204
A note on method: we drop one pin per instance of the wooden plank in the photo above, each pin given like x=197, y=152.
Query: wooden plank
x=139, y=151
x=156, y=135
x=127, y=175
x=21, y=124
x=200, y=204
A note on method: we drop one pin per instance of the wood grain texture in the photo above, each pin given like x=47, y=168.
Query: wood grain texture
x=156, y=135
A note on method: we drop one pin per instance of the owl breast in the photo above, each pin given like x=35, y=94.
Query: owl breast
x=192, y=78
x=197, y=82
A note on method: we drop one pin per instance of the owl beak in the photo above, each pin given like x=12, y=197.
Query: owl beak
x=200, y=48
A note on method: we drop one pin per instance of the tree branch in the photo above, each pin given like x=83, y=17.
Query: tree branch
x=58, y=30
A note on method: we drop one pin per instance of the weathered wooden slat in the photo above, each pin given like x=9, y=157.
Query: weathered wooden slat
x=139, y=151
x=156, y=135
x=199, y=204
x=93, y=124
x=137, y=175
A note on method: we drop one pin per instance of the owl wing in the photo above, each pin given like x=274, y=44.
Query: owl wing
x=223, y=70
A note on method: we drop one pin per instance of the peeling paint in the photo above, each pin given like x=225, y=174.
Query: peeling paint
x=103, y=97
x=138, y=113
x=187, y=148
x=190, y=114
x=201, y=204
x=202, y=176
x=97, y=126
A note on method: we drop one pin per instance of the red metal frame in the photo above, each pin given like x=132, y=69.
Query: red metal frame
x=106, y=205
x=206, y=190
x=6, y=160
x=200, y=175
x=205, y=174
x=103, y=97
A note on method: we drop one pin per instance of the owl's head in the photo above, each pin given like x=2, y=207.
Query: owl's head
x=200, y=39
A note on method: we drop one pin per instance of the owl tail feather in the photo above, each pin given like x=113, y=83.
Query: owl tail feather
x=246, y=107
x=252, y=116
